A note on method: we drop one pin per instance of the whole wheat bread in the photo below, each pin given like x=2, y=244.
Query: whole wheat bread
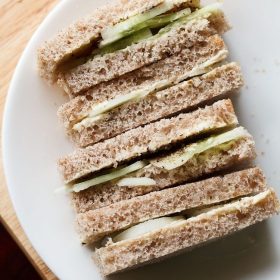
x=108, y=193
x=79, y=37
x=112, y=65
x=186, y=234
x=150, y=138
x=185, y=96
x=95, y=224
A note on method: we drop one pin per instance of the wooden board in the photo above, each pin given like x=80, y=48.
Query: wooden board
x=18, y=20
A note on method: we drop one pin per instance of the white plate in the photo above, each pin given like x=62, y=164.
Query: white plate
x=33, y=139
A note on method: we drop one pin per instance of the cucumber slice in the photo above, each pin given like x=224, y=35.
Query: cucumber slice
x=134, y=182
x=118, y=101
x=136, y=37
x=116, y=32
x=204, y=12
x=156, y=22
x=98, y=111
x=148, y=226
x=179, y=158
x=162, y=20
x=86, y=122
x=207, y=65
x=114, y=174
x=173, y=20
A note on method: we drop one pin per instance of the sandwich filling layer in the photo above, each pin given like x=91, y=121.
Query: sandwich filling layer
x=146, y=227
x=154, y=18
x=214, y=143
x=146, y=26
x=159, y=24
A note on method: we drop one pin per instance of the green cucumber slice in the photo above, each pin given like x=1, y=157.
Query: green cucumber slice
x=117, y=173
x=169, y=21
x=204, y=12
x=116, y=32
x=134, y=182
x=179, y=158
x=148, y=226
x=118, y=101
x=163, y=20
x=156, y=22
x=134, y=38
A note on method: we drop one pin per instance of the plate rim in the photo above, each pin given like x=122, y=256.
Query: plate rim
x=10, y=96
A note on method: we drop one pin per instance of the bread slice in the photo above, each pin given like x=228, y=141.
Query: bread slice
x=79, y=37
x=187, y=234
x=150, y=138
x=112, y=65
x=94, y=224
x=185, y=96
x=217, y=160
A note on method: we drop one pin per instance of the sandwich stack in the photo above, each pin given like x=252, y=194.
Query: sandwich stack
x=161, y=164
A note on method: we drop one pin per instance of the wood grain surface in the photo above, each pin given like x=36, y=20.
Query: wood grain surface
x=18, y=20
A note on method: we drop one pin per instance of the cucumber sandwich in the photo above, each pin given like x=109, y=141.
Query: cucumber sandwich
x=178, y=234
x=105, y=27
x=172, y=39
x=118, y=39
x=162, y=164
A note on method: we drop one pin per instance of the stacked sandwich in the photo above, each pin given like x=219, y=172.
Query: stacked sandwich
x=162, y=164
